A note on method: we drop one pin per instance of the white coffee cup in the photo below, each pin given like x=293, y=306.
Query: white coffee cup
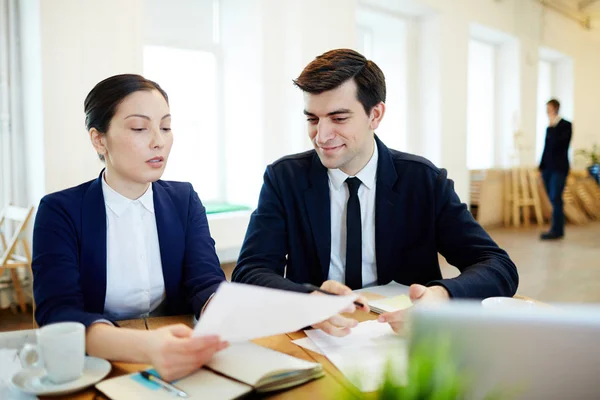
x=60, y=350
x=507, y=302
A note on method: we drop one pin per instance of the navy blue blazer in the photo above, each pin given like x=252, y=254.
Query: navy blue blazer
x=417, y=215
x=69, y=252
x=556, y=147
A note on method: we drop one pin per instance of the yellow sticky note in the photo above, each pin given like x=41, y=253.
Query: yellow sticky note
x=391, y=303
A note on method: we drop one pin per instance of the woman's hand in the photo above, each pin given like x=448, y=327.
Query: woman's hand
x=175, y=353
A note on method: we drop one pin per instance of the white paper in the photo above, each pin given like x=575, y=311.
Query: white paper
x=307, y=344
x=363, y=355
x=239, y=312
x=9, y=366
x=390, y=290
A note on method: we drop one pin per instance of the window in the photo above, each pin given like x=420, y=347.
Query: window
x=383, y=39
x=480, y=105
x=190, y=79
x=544, y=93
x=182, y=53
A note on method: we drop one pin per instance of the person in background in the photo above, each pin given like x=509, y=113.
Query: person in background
x=127, y=244
x=554, y=167
x=353, y=213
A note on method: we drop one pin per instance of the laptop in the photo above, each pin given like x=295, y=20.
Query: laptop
x=539, y=353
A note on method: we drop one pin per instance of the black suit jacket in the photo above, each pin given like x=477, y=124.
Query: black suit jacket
x=556, y=148
x=417, y=215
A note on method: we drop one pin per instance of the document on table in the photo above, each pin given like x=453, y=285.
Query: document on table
x=308, y=345
x=239, y=312
x=9, y=366
x=362, y=356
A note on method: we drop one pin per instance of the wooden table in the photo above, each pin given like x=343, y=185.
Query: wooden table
x=332, y=385
x=328, y=387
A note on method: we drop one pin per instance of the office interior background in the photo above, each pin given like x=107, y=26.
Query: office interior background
x=467, y=80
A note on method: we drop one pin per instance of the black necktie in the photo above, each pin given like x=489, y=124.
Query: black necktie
x=353, y=237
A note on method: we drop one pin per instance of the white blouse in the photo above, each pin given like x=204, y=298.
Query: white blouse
x=134, y=278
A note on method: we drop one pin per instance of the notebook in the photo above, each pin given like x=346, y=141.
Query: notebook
x=232, y=373
x=395, y=297
x=390, y=304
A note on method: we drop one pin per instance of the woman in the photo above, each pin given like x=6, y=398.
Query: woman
x=128, y=245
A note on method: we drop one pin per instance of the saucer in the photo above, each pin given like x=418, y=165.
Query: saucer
x=507, y=302
x=34, y=380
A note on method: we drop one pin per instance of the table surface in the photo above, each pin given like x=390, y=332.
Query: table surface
x=332, y=385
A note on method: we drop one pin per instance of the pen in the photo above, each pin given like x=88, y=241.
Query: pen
x=318, y=289
x=165, y=385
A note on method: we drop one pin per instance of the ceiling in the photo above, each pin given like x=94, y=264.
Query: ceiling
x=586, y=11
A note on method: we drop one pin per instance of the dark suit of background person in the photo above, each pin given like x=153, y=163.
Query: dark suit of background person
x=417, y=215
x=554, y=167
x=69, y=252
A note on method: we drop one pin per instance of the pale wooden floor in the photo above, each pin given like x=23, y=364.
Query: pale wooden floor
x=567, y=270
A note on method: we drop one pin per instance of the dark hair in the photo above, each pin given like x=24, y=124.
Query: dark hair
x=335, y=67
x=102, y=101
x=555, y=104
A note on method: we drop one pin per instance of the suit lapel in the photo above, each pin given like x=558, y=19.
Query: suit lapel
x=318, y=208
x=92, y=262
x=385, y=213
x=171, y=238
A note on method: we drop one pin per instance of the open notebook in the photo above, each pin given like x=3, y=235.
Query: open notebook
x=232, y=373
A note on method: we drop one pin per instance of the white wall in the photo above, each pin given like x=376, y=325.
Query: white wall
x=83, y=42
x=266, y=45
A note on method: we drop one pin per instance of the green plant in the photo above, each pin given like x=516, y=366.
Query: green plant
x=593, y=155
x=433, y=374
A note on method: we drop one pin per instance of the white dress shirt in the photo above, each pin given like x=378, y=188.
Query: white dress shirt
x=338, y=195
x=134, y=278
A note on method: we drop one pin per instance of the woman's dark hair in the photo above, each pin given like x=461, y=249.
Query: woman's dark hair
x=102, y=101
x=333, y=68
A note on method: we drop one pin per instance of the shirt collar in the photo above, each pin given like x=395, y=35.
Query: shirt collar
x=119, y=203
x=556, y=120
x=367, y=175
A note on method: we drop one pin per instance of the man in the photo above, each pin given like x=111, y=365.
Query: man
x=555, y=167
x=353, y=211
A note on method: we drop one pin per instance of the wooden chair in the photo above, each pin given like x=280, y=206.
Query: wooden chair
x=520, y=195
x=19, y=217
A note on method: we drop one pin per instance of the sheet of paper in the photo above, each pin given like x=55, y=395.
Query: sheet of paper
x=390, y=304
x=9, y=366
x=390, y=290
x=307, y=344
x=239, y=312
x=362, y=356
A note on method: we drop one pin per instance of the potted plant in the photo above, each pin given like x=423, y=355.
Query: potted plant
x=433, y=373
x=593, y=158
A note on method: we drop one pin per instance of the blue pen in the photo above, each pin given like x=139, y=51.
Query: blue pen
x=165, y=385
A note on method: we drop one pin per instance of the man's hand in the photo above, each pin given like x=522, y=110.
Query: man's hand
x=417, y=293
x=339, y=325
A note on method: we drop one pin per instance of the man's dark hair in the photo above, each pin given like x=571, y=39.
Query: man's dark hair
x=333, y=68
x=555, y=104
